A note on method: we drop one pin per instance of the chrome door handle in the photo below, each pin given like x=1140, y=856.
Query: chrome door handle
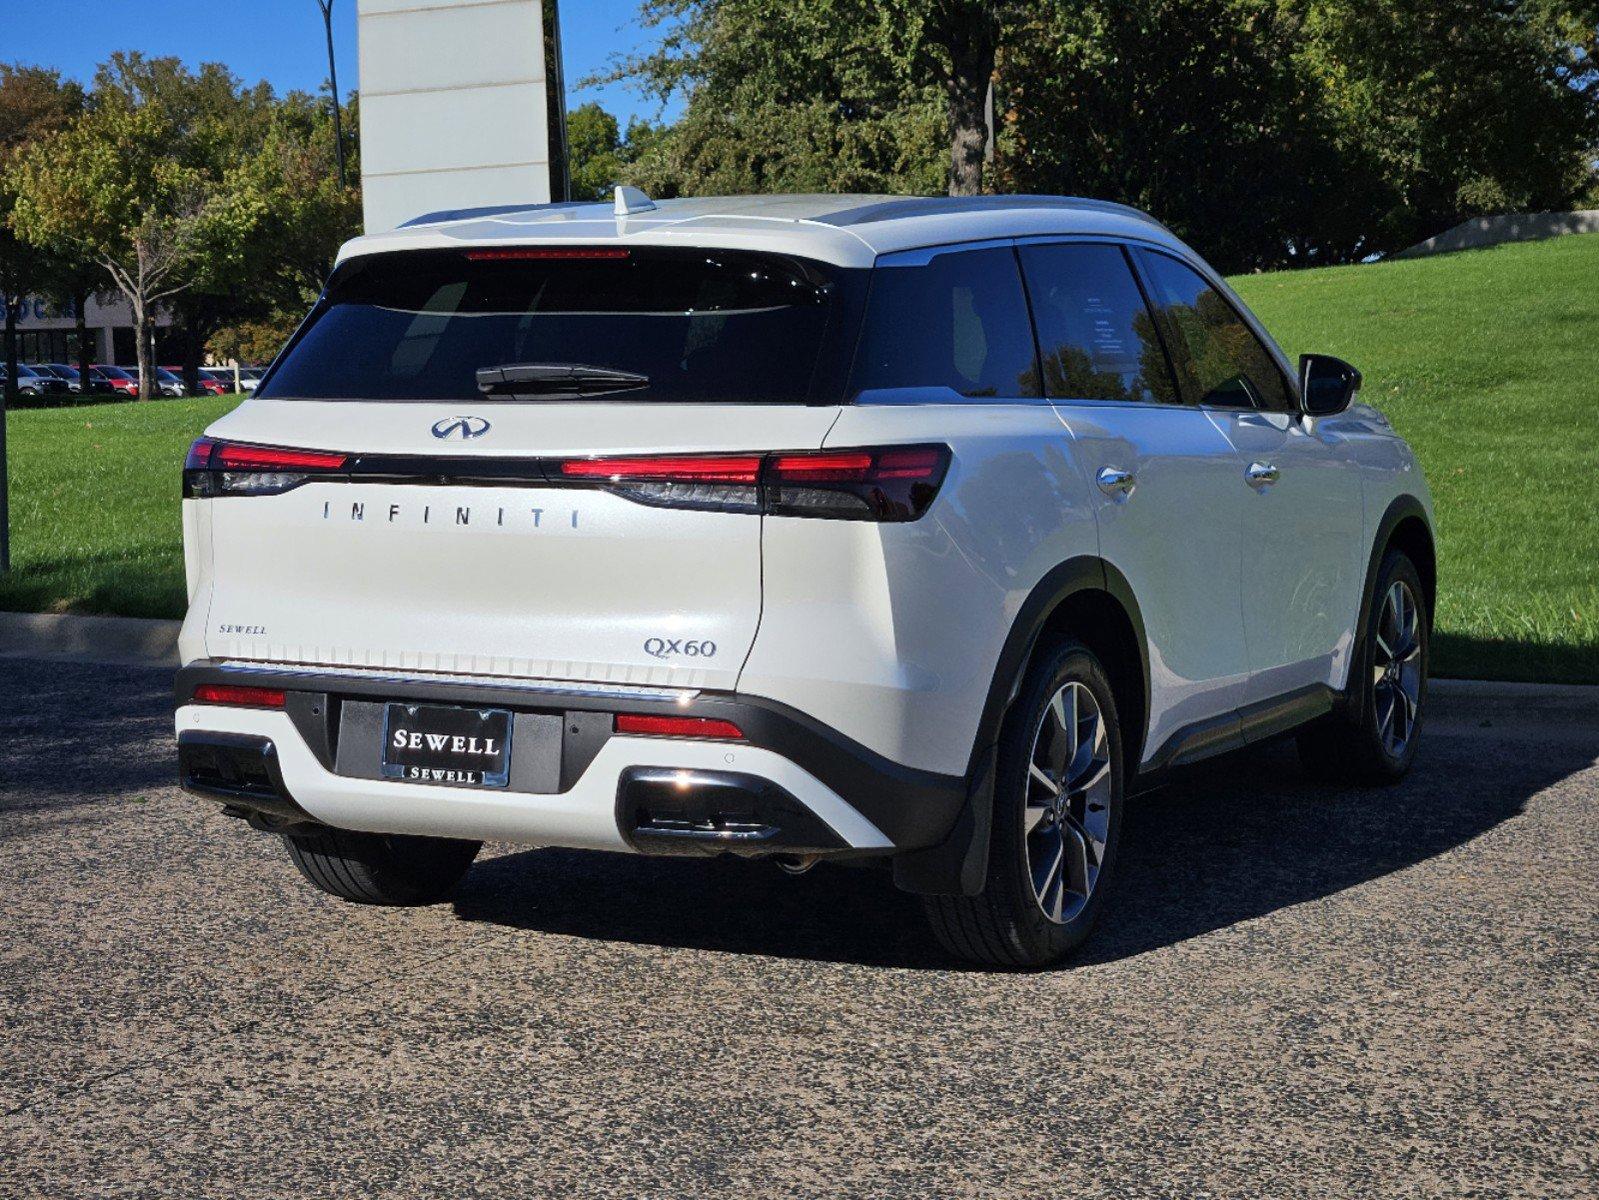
x=1114, y=481
x=1262, y=474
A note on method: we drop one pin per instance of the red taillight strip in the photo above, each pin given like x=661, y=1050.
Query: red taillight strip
x=230, y=456
x=852, y=465
x=530, y=253
x=707, y=468
x=646, y=725
x=238, y=695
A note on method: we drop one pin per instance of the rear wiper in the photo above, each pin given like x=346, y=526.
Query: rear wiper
x=529, y=380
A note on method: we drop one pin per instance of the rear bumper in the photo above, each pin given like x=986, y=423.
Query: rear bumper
x=791, y=786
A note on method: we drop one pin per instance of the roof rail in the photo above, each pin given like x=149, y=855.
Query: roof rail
x=491, y=210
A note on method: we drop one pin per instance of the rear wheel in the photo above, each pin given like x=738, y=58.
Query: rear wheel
x=1373, y=739
x=1057, y=815
x=376, y=868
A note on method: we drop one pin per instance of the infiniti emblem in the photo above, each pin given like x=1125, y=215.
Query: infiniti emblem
x=461, y=427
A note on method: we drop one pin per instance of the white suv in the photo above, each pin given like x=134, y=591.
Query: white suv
x=817, y=527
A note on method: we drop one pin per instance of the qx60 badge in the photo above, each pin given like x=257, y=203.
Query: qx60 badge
x=464, y=428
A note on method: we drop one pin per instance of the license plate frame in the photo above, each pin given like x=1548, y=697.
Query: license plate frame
x=450, y=752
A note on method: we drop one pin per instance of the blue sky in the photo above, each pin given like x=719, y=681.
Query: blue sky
x=280, y=41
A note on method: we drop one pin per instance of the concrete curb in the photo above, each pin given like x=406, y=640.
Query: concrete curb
x=132, y=641
x=120, y=641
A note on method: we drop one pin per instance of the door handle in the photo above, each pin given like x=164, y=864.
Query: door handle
x=1262, y=474
x=1114, y=481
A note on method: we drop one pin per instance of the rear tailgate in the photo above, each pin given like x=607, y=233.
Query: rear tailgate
x=524, y=580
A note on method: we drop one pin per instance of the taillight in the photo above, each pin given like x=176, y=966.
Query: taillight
x=646, y=725
x=238, y=695
x=215, y=468
x=893, y=484
x=896, y=483
x=721, y=482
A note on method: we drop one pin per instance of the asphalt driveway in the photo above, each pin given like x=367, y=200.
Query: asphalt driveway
x=1302, y=991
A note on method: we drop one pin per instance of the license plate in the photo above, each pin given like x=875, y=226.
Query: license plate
x=462, y=747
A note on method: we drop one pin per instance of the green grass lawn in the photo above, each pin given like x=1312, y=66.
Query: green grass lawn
x=1484, y=360
x=94, y=506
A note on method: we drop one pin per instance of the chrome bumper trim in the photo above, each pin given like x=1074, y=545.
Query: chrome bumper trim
x=536, y=687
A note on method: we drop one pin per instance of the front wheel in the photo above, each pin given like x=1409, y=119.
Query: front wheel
x=1373, y=738
x=377, y=868
x=1057, y=816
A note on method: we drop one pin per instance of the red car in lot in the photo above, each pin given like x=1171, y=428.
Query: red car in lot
x=209, y=385
x=116, y=378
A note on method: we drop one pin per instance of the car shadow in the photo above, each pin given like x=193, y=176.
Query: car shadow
x=1233, y=840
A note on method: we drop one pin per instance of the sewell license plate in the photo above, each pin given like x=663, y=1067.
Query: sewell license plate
x=431, y=743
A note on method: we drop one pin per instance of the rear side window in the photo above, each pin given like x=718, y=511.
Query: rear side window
x=698, y=325
x=1220, y=360
x=1096, y=336
x=956, y=320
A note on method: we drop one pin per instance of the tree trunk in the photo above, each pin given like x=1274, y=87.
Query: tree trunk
x=141, y=328
x=80, y=302
x=193, y=344
x=971, y=42
x=12, y=303
x=7, y=394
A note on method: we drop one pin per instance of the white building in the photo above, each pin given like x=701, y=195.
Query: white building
x=48, y=332
x=462, y=106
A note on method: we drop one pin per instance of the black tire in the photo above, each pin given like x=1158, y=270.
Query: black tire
x=376, y=868
x=1352, y=745
x=1006, y=925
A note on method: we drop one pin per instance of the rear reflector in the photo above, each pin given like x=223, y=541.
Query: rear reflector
x=645, y=725
x=238, y=695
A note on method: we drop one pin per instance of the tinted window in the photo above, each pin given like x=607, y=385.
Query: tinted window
x=702, y=325
x=1096, y=338
x=958, y=321
x=1219, y=359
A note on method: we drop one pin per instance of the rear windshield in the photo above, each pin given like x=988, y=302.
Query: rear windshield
x=701, y=325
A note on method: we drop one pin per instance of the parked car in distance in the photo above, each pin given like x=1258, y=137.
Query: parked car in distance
x=69, y=375
x=249, y=377
x=806, y=527
x=118, y=379
x=168, y=383
x=212, y=383
x=204, y=385
x=33, y=382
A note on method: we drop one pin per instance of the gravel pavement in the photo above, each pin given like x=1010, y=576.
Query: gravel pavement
x=1301, y=991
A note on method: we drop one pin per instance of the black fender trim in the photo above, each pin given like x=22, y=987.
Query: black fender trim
x=958, y=864
x=1399, y=509
x=1246, y=726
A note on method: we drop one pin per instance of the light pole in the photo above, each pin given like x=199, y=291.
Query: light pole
x=333, y=81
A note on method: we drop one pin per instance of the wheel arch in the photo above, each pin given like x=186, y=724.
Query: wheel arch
x=1084, y=597
x=1404, y=526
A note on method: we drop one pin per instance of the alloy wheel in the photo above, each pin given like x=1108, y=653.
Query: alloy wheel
x=1067, y=818
x=1396, y=669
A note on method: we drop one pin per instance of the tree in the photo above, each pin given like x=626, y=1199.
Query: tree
x=1269, y=132
x=34, y=102
x=269, y=235
x=803, y=95
x=848, y=93
x=1454, y=108
x=602, y=154
x=110, y=188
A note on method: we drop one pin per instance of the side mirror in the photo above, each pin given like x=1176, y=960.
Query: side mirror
x=1327, y=385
